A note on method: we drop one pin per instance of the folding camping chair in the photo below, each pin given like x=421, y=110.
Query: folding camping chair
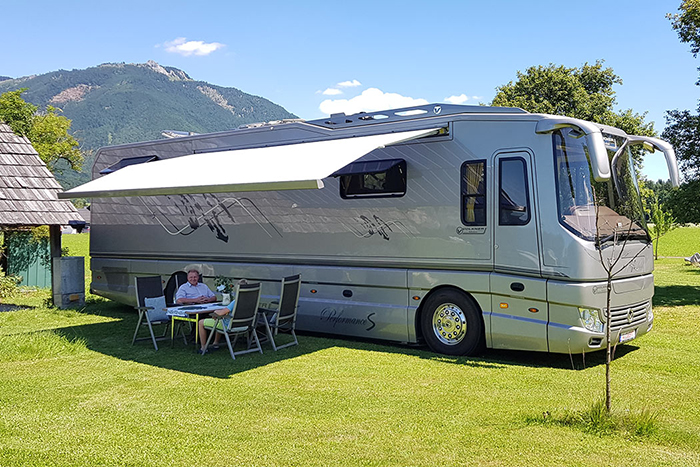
x=240, y=322
x=694, y=260
x=151, y=307
x=283, y=318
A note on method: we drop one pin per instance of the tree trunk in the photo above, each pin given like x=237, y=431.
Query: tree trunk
x=608, y=396
x=656, y=249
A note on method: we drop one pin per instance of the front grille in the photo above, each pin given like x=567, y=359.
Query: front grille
x=628, y=316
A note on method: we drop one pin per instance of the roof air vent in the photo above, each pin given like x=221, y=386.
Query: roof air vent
x=406, y=113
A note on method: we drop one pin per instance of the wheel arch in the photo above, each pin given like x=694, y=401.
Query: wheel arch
x=419, y=312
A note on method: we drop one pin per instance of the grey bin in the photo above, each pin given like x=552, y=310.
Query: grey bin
x=69, y=281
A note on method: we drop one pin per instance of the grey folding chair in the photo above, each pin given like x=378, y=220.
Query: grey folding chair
x=240, y=322
x=284, y=318
x=151, y=307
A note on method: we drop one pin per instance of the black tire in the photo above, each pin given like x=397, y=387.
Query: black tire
x=451, y=324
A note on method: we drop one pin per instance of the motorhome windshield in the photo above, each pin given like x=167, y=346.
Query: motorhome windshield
x=620, y=214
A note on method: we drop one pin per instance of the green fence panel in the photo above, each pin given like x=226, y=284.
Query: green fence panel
x=28, y=258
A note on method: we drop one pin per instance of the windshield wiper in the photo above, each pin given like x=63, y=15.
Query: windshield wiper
x=624, y=233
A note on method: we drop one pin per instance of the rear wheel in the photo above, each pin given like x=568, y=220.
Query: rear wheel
x=452, y=324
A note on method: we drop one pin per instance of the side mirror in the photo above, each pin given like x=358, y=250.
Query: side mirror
x=652, y=144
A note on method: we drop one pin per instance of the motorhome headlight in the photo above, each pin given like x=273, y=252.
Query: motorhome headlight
x=591, y=319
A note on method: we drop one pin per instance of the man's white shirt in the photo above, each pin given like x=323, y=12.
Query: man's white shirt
x=188, y=290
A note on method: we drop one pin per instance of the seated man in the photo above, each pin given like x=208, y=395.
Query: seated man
x=194, y=292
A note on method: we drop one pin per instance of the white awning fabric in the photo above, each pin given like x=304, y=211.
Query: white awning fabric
x=289, y=167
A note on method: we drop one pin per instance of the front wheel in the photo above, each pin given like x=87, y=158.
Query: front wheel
x=452, y=324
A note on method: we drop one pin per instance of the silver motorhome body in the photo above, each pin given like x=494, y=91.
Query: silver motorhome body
x=459, y=225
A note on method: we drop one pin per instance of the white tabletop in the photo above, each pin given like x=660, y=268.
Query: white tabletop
x=183, y=310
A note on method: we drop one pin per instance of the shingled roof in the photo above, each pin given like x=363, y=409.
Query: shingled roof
x=27, y=188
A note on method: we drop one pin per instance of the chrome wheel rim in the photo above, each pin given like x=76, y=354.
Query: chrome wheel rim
x=449, y=324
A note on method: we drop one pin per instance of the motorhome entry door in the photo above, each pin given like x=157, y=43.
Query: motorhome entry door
x=515, y=244
x=519, y=309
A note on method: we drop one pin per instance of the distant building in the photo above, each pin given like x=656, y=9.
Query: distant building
x=78, y=227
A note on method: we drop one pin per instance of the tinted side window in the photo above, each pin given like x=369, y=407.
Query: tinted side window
x=514, y=202
x=391, y=182
x=473, y=189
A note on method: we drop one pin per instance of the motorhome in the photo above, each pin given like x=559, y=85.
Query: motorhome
x=462, y=227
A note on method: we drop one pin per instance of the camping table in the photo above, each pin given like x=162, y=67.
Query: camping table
x=191, y=314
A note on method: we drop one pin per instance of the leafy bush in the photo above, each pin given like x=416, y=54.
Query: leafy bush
x=8, y=284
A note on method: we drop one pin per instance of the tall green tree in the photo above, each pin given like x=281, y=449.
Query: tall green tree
x=684, y=202
x=46, y=130
x=683, y=127
x=49, y=136
x=687, y=24
x=661, y=189
x=16, y=112
x=586, y=93
x=683, y=132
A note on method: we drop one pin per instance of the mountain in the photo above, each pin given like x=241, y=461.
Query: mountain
x=117, y=103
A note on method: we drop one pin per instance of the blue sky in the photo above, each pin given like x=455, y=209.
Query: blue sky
x=316, y=57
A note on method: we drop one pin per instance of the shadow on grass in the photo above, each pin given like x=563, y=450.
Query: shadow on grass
x=559, y=361
x=114, y=338
x=676, y=295
x=10, y=307
x=492, y=358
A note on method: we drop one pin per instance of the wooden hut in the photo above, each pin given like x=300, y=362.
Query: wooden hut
x=28, y=191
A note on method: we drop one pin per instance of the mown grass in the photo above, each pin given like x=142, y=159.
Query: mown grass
x=597, y=420
x=79, y=245
x=73, y=391
x=684, y=241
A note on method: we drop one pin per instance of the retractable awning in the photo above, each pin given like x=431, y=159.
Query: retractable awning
x=354, y=168
x=288, y=167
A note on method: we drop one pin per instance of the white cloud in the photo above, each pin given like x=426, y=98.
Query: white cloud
x=461, y=99
x=186, y=48
x=370, y=100
x=332, y=92
x=350, y=84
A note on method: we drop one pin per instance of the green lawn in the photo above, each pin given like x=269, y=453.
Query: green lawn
x=74, y=392
x=79, y=245
x=680, y=242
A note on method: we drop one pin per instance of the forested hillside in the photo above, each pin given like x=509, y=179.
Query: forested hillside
x=117, y=103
